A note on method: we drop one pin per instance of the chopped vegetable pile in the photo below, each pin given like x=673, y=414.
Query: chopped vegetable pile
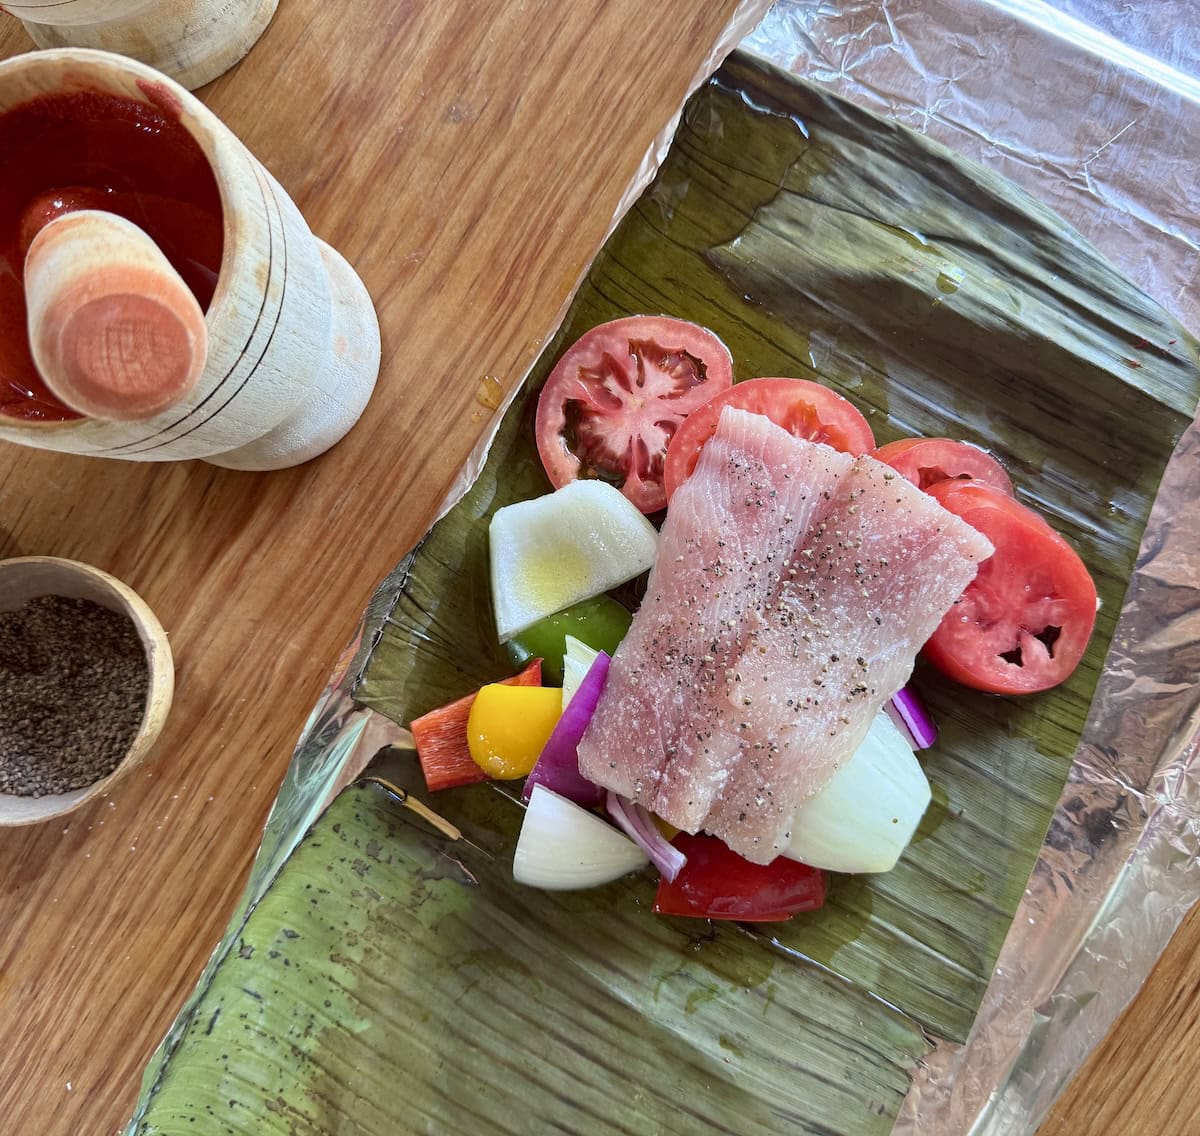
x=748, y=728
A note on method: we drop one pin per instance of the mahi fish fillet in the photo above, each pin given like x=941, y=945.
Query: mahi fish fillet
x=666, y=738
x=793, y=587
x=860, y=596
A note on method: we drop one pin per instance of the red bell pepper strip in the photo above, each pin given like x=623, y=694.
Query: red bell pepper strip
x=441, y=737
x=717, y=883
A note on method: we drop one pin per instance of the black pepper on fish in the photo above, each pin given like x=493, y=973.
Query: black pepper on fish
x=778, y=614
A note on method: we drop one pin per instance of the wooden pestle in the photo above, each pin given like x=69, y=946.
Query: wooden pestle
x=115, y=332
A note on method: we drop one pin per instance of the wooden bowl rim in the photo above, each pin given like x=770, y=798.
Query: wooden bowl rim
x=159, y=660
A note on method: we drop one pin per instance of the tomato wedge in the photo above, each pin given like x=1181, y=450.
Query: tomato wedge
x=717, y=883
x=615, y=399
x=804, y=408
x=926, y=461
x=1024, y=622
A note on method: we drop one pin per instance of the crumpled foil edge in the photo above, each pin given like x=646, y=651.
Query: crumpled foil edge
x=1119, y=869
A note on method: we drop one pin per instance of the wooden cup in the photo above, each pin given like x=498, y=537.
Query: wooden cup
x=292, y=349
x=193, y=41
x=27, y=577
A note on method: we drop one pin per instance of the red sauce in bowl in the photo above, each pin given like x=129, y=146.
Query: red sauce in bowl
x=92, y=150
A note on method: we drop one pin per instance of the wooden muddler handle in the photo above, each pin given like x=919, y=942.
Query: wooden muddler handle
x=114, y=330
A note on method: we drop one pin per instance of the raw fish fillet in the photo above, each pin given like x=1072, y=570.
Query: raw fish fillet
x=792, y=590
x=662, y=734
x=866, y=588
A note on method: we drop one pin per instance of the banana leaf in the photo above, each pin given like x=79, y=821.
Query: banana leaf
x=389, y=981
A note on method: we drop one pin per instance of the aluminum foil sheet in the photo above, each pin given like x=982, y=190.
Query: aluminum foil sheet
x=1095, y=109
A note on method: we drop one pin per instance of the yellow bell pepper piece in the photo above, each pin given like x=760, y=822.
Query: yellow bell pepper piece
x=666, y=828
x=509, y=726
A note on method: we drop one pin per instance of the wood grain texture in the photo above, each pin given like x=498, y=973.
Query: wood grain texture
x=1142, y=1080
x=466, y=156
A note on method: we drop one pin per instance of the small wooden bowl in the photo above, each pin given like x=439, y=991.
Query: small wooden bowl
x=29, y=576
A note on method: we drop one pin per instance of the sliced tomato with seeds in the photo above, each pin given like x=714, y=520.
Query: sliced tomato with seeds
x=803, y=408
x=717, y=883
x=927, y=461
x=1024, y=622
x=616, y=398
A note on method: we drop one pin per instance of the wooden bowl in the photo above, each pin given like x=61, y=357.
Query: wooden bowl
x=29, y=576
x=293, y=345
x=193, y=41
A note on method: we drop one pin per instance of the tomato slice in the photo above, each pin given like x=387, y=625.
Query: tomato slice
x=1024, y=622
x=804, y=408
x=717, y=883
x=615, y=399
x=926, y=461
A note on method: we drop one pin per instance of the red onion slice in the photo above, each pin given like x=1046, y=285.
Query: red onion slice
x=558, y=765
x=915, y=719
x=637, y=823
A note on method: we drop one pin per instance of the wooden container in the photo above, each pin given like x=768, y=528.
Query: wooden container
x=193, y=41
x=292, y=349
x=26, y=578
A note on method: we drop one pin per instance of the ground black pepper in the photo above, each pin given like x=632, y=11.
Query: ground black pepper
x=73, y=682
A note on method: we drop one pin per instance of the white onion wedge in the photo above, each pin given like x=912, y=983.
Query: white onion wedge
x=577, y=661
x=865, y=816
x=567, y=546
x=563, y=847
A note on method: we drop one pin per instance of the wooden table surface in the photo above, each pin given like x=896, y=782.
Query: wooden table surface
x=466, y=156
